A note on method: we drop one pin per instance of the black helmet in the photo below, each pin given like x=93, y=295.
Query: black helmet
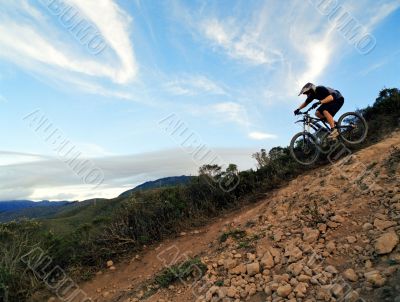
x=307, y=88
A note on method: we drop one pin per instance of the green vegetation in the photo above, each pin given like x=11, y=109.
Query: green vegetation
x=393, y=161
x=191, y=268
x=83, y=238
x=236, y=234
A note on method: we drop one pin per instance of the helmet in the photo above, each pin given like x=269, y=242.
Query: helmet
x=307, y=88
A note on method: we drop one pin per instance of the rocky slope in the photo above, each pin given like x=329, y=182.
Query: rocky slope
x=331, y=235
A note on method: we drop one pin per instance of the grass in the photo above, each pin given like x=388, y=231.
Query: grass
x=392, y=162
x=181, y=272
x=236, y=234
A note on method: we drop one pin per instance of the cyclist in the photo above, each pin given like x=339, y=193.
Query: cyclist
x=330, y=101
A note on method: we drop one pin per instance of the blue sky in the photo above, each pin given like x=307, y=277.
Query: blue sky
x=230, y=70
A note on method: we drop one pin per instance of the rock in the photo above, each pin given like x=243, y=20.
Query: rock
x=303, y=278
x=110, y=263
x=253, y=268
x=324, y=293
x=352, y=296
x=368, y=264
x=331, y=269
x=276, y=254
x=268, y=290
x=351, y=275
x=310, y=235
x=240, y=269
x=337, y=218
x=229, y=263
x=337, y=290
x=322, y=228
x=332, y=224
x=214, y=291
x=351, y=239
x=301, y=290
x=267, y=261
x=284, y=290
x=231, y=292
x=278, y=235
x=330, y=247
x=295, y=268
x=251, y=256
x=375, y=278
x=386, y=243
x=367, y=226
x=383, y=224
x=294, y=253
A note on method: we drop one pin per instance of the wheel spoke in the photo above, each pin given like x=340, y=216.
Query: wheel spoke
x=304, y=149
x=352, y=128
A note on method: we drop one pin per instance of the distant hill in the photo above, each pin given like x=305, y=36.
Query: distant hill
x=159, y=183
x=13, y=209
x=87, y=209
x=22, y=204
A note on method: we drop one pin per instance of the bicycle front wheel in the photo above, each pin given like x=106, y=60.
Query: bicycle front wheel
x=352, y=127
x=304, y=148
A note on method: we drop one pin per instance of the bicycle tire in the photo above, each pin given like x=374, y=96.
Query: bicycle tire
x=347, y=139
x=295, y=153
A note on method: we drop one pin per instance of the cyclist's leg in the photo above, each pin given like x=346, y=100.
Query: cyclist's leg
x=330, y=109
x=319, y=115
x=329, y=118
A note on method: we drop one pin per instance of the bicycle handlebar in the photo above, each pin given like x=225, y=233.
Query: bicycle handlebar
x=305, y=112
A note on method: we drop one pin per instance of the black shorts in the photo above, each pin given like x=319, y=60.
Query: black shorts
x=332, y=107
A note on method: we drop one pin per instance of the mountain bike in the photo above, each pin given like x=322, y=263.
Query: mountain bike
x=306, y=147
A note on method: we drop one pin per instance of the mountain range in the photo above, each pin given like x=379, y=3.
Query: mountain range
x=17, y=209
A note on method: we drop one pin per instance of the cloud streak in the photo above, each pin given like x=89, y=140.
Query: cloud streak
x=38, y=40
x=190, y=85
x=48, y=178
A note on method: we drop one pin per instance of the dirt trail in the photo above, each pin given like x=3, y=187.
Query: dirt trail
x=281, y=218
x=110, y=285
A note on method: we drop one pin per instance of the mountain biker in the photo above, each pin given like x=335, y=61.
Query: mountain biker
x=331, y=101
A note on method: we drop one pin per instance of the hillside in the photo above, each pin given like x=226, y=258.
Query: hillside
x=216, y=224
x=159, y=183
x=18, y=209
x=329, y=233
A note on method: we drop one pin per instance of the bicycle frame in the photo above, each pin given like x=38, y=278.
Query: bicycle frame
x=312, y=122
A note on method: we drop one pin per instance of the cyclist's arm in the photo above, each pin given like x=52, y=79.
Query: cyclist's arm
x=327, y=100
x=303, y=105
x=307, y=101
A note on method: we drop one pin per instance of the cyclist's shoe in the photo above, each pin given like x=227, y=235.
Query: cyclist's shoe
x=334, y=134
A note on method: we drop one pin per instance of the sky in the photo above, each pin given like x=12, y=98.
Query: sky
x=134, y=87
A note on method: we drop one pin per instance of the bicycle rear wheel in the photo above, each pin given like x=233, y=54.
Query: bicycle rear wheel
x=304, y=148
x=352, y=127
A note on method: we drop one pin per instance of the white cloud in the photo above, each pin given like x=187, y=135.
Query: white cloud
x=190, y=85
x=230, y=112
x=381, y=12
x=10, y=158
x=34, y=39
x=50, y=178
x=318, y=56
x=239, y=45
x=256, y=135
x=113, y=23
x=293, y=44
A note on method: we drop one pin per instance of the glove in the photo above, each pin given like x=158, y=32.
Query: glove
x=315, y=105
x=297, y=112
